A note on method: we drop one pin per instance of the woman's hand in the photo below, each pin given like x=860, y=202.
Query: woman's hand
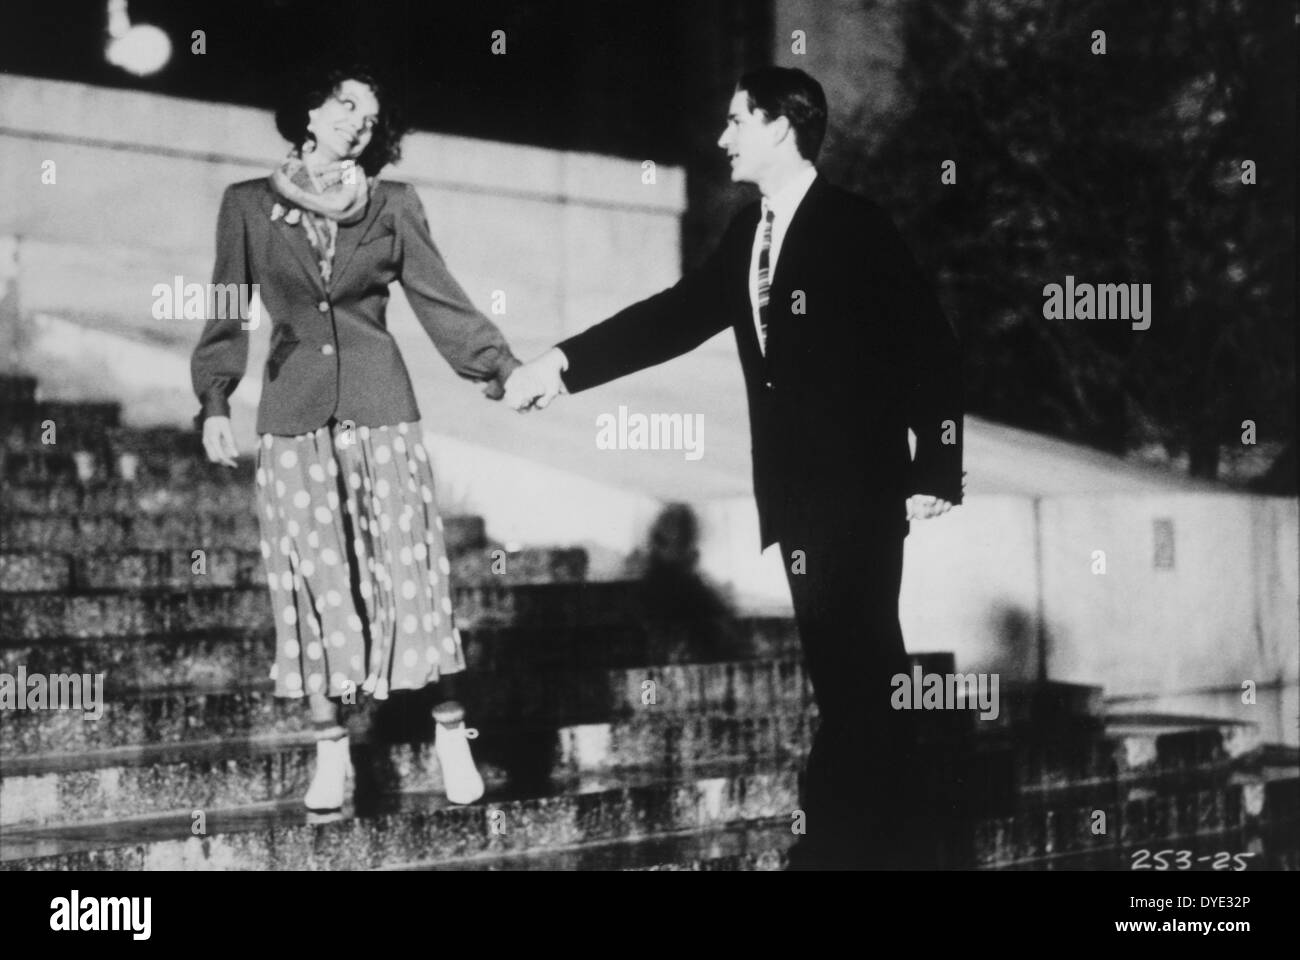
x=219, y=441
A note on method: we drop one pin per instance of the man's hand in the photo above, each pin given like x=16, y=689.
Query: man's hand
x=536, y=384
x=923, y=507
x=218, y=441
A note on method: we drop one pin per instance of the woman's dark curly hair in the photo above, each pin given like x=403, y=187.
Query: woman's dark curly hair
x=310, y=89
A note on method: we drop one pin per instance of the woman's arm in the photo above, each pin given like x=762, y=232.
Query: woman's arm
x=221, y=357
x=469, y=341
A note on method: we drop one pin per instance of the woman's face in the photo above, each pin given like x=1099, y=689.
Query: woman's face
x=343, y=125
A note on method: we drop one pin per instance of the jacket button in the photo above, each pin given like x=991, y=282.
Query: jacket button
x=328, y=350
x=323, y=306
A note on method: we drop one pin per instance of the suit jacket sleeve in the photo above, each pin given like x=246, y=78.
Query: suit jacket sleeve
x=469, y=341
x=933, y=394
x=221, y=356
x=657, y=329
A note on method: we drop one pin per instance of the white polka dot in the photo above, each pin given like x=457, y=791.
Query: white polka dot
x=317, y=473
x=363, y=523
x=419, y=452
x=332, y=468
x=266, y=550
x=270, y=512
x=399, y=445
x=358, y=547
x=302, y=499
x=288, y=459
x=438, y=522
x=266, y=440
x=404, y=522
x=323, y=515
x=410, y=484
x=365, y=433
x=313, y=539
x=332, y=500
x=410, y=623
x=408, y=590
x=366, y=589
x=337, y=639
x=313, y=651
x=291, y=649
x=426, y=494
x=420, y=551
x=341, y=679
x=315, y=682
x=307, y=568
x=405, y=555
x=354, y=481
x=286, y=580
x=293, y=681
x=443, y=565
x=381, y=488
x=446, y=604
x=410, y=658
x=329, y=557
x=403, y=427
x=273, y=581
x=275, y=670
x=261, y=477
x=333, y=598
x=411, y=468
x=383, y=454
x=279, y=488
x=293, y=528
x=433, y=576
x=449, y=644
x=354, y=623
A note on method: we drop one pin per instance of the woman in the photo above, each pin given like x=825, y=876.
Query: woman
x=351, y=536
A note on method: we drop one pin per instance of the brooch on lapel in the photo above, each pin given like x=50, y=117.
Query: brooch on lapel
x=291, y=217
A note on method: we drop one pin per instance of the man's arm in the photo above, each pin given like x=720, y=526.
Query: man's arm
x=934, y=401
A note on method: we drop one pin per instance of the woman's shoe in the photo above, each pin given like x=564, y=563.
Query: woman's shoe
x=460, y=778
x=325, y=795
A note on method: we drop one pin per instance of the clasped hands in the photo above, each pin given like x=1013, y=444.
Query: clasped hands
x=536, y=383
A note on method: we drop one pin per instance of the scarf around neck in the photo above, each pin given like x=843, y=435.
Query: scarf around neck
x=334, y=194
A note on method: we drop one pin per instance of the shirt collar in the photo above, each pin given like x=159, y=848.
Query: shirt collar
x=785, y=201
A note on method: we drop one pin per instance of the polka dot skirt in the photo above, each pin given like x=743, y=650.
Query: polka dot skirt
x=356, y=562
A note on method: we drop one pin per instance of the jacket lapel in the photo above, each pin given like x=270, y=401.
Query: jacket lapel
x=349, y=238
x=294, y=237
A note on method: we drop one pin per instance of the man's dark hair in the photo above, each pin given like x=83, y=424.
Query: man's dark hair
x=790, y=93
x=308, y=90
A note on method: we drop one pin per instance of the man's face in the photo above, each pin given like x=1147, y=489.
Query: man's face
x=749, y=139
x=344, y=124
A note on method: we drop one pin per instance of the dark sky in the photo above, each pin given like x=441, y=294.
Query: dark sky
x=580, y=74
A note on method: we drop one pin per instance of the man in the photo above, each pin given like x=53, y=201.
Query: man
x=843, y=349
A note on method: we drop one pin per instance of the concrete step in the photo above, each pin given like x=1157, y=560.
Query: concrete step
x=573, y=816
x=413, y=827
x=27, y=618
x=230, y=656
x=134, y=781
x=174, y=570
x=396, y=751
x=592, y=694
x=185, y=529
x=762, y=845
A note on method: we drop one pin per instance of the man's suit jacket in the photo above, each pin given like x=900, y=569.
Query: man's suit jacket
x=831, y=401
x=331, y=352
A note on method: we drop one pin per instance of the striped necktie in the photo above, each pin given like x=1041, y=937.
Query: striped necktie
x=764, y=279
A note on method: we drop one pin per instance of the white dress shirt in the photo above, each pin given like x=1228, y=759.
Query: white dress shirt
x=783, y=204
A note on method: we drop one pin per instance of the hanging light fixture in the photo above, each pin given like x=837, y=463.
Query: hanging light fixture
x=142, y=49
